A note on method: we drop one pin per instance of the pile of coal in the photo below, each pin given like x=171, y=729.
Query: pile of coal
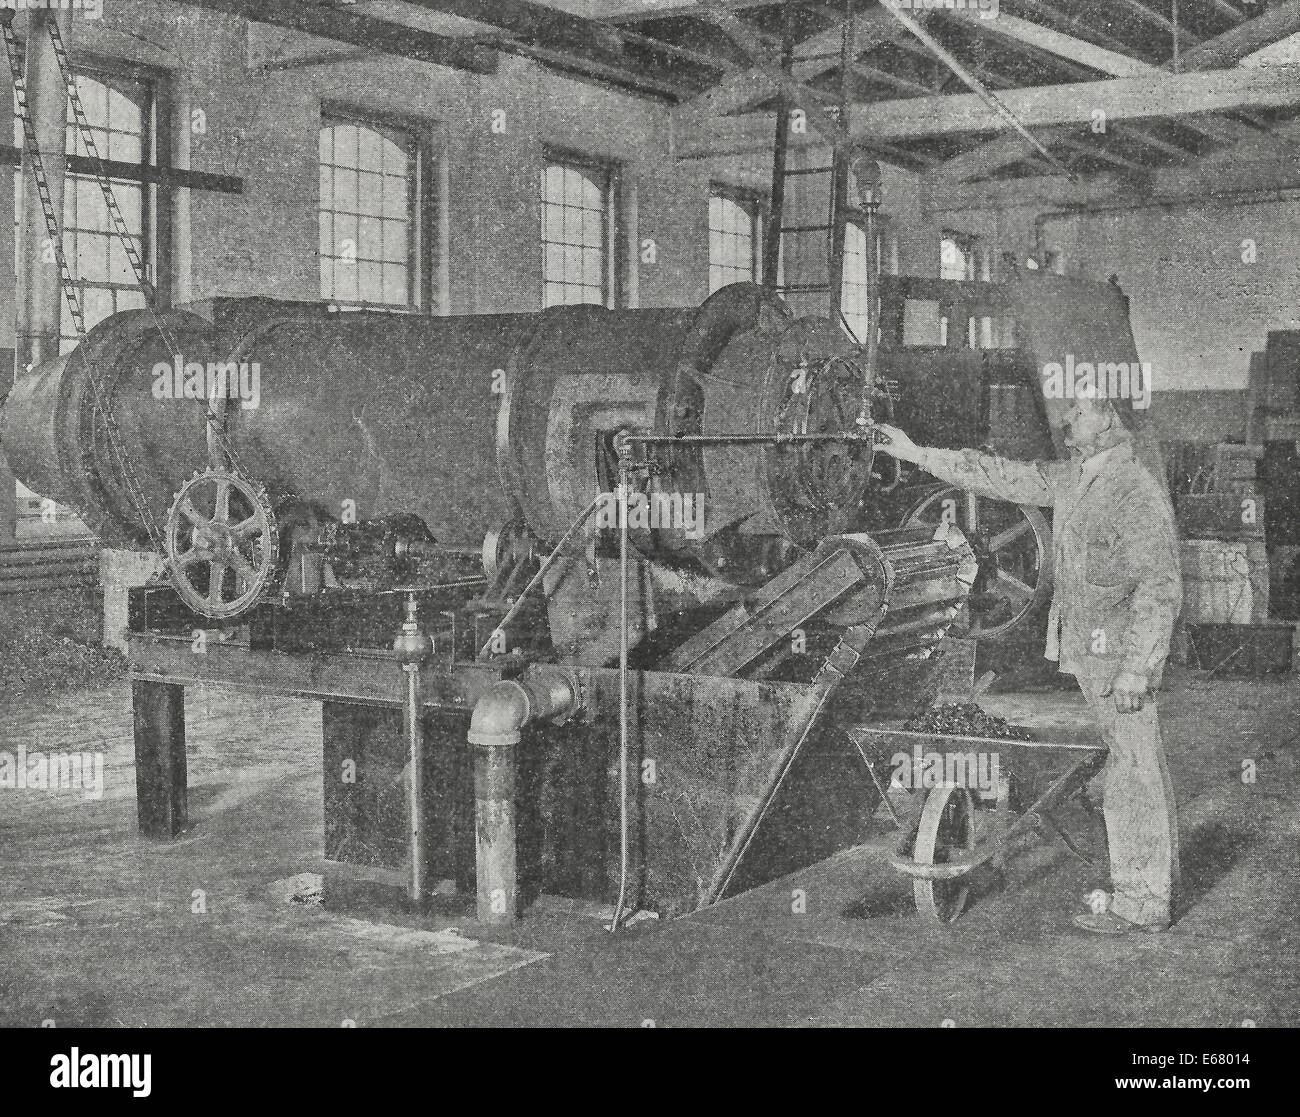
x=39, y=664
x=965, y=719
x=49, y=645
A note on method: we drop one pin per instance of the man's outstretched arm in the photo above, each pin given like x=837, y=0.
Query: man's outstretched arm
x=983, y=474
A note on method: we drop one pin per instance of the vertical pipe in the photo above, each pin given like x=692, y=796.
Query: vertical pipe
x=413, y=724
x=840, y=173
x=413, y=647
x=40, y=296
x=624, y=450
x=776, y=216
x=495, y=731
x=494, y=832
x=1177, y=60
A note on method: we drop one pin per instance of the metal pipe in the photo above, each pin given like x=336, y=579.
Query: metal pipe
x=413, y=647
x=40, y=294
x=624, y=454
x=413, y=724
x=495, y=730
x=744, y=439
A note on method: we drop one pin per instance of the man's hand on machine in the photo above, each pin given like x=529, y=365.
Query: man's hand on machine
x=895, y=442
x=1129, y=690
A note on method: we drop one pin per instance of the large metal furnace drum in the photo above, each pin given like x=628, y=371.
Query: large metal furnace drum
x=470, y=423
x=53, y=428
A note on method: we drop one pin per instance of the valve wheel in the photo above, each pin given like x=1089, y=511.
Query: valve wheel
x=947, y=827
x=222, y=543
x=1013, y=544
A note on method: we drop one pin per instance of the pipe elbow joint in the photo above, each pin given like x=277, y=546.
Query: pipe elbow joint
x=501, y=714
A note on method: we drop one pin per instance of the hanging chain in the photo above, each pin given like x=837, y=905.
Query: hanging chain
x=101, y=398
x=214, y=421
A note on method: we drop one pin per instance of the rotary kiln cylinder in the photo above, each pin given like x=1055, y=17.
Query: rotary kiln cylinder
x=468, y=422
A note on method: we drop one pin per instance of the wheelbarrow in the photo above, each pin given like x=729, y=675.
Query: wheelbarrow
x=950, y=829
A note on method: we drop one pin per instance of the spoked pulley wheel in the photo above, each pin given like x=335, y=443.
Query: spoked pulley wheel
x=947, y=828
x=222, y=543
x=1013, y=544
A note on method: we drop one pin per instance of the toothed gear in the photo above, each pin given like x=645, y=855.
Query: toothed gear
x=222, y=542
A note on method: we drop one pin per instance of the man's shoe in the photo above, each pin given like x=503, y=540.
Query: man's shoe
x=1108, y=923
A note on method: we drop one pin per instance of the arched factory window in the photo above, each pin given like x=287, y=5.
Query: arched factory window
x=578, y=232
x=735, y=238
x=368, y=214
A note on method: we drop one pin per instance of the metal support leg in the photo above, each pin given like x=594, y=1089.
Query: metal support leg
x=160, y=772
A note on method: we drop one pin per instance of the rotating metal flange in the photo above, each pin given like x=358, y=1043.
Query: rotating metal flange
x=222, y=544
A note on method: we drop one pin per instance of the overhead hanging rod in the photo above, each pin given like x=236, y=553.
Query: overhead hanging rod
x=978, y=87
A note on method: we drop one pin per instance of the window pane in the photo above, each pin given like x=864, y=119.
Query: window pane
x=370, y=150
x=97, y=304
x=575, y=233
x=371, y=282
x=370, y=193
x=396, y=249
x=394, y=284
x=366, y=213
x=123, y=147
x=733, y=239
x=94, y=100
x=396, y=197
x=853, y=298
x=345, y=191
x=370, y=238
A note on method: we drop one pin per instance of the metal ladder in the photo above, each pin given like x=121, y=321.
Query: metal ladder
x=781, y=239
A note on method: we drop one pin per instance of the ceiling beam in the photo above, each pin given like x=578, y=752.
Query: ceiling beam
x=741, y=89
x=1156, y=19
x=640, y=11
x=1025, y=33
x=639, y=79
x=534, y=23
x=555, y=37
x=767, y=69
x=1159, y=95
x=1034, y=192
x=1096, y=148
x=1228, y=11
x=1224, y=49
x=1077, y=24
x=1232, y=46
x=1166, y=188
x=356, y=30
x=1099, y=151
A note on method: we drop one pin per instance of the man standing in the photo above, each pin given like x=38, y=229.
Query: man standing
x=1117, y=593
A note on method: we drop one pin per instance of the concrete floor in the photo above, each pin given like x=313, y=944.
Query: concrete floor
x=100, y=927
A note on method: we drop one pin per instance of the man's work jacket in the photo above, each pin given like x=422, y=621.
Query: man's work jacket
x=1118, y=585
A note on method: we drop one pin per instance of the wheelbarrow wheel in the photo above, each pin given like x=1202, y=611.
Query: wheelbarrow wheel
x=947, y=826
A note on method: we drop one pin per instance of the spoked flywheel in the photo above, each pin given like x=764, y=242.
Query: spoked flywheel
x=1013, y=543
x=222, y=543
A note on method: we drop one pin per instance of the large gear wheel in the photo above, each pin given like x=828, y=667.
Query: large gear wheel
x=222, y=544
